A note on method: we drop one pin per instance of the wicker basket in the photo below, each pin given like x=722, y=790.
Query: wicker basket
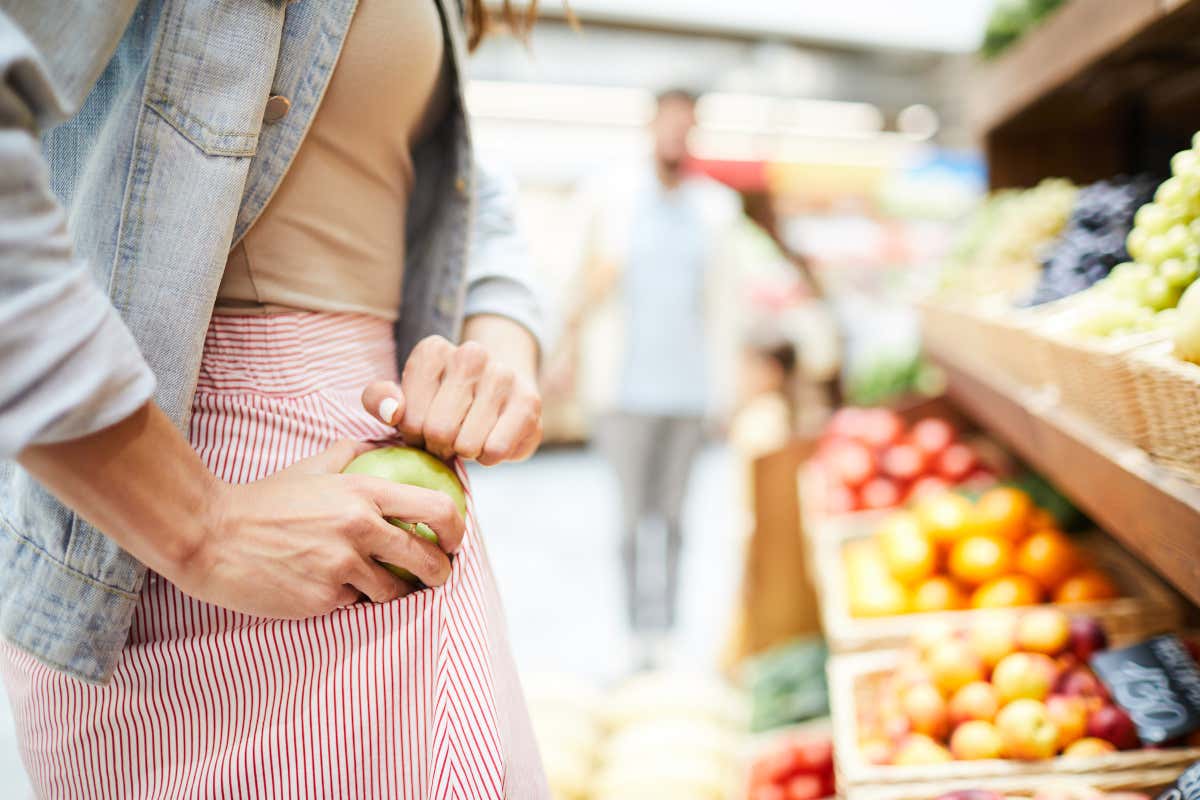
x=854, y=681
x=1168, y=392
x=1095, y=381
x=1005, y=339
x=1146, y=606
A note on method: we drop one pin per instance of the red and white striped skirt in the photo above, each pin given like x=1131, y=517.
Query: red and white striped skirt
x=417, y=698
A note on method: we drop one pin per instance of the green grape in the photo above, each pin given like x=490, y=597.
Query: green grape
x=1172, y=193
x=1157, y=250
x=1153, y=218
x=1194, y=230
x=1178, y=272
x=1196, y=141
x=1176, y=240
x=1185, y=163
x=1135, y=243
x=1158, y=294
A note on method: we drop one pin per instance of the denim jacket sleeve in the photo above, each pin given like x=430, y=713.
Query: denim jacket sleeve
x=499, y=269
x=68, y=364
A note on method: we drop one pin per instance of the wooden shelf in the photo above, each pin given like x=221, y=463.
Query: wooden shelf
x=1099, y=88
x=1153, y=513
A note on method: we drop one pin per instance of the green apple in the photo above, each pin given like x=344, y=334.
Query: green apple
x=412, y=467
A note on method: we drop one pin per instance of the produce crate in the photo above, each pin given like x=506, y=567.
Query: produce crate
x=1168, y=392
x=854, y=681
x=1146, y=606
x=1096, y=381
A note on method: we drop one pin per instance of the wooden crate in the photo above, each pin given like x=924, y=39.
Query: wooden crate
x=1146, y=607
x=854, y=680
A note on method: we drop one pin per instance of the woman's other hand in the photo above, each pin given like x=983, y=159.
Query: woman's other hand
x=478, y=400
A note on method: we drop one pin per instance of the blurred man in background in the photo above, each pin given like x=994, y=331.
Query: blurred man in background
x=649, y=326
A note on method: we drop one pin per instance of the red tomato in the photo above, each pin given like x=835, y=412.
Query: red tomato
x=956, y=462
x=841, y=500
x=881, y=493
x=775, y=766
x=932, y=435
x=904, y=462
x=805, y=787
x=926, y=486
x=829, y=785
x=814, y=755
x=851, y=464
x=879, y=427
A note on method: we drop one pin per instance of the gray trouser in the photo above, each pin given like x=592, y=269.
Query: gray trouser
x=652, y=456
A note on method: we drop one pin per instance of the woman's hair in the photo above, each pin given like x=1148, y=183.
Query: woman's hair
x=480, y=21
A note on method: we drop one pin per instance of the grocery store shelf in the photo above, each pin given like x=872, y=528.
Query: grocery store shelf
x=1153, y=513
x=1116, y=74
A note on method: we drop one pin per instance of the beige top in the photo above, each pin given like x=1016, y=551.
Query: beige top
x=332, y=236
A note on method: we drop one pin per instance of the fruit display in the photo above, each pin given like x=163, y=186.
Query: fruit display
x=948, y=552
x=1010, y=686
x=1093, y=241
x=872, y=460
x=794, y=767
x=1164, y=245
x=999, y=250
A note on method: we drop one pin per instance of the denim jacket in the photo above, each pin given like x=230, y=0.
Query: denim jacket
x=154, y=159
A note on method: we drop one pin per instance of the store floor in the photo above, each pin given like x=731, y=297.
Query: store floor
x=551, y=526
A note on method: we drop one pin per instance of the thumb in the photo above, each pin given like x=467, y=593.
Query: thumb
x=334, y=458
x=385, y=401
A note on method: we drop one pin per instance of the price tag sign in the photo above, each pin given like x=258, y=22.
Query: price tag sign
x=1186, y=787
x=1157, y=683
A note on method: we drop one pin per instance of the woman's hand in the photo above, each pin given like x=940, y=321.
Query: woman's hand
x=307, y=540
x=478, y=400
x=301, y=542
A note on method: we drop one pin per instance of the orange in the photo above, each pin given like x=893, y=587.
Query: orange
x=945, y=517
x=1086, y=586
x=909, y=555
x=938, y=593
x=1003, y=511
x=1048, y=557
x=1006, y=592
x=883, y=597
x=978, y=559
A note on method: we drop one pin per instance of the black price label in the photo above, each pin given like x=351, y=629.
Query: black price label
x=1157, y=683
x=1186, y=787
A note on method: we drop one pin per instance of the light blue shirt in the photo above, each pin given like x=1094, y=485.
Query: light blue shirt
x=665, y=366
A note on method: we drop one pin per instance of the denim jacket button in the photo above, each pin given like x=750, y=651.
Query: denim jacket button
x=461, y=185
x=277, y=108
x=445, y=304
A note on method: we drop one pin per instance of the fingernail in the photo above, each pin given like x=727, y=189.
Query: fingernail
x=387, y=410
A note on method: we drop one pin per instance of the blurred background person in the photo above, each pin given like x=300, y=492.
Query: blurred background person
x=646, y=314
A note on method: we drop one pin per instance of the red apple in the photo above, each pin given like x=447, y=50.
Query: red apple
x=904, y=462
x=880, y=493
x=1087, y=638
x=1113, y=725
x=851, y=464
x=932, y=435
x=879, y=427
x=1080, y=681
x=814, y=755
x=1070, y=715
x=955, y=462
x=1024, y=676
x=975, y=701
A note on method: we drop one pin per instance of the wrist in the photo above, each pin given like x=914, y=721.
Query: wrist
x=506, y=340
x=186, y=555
